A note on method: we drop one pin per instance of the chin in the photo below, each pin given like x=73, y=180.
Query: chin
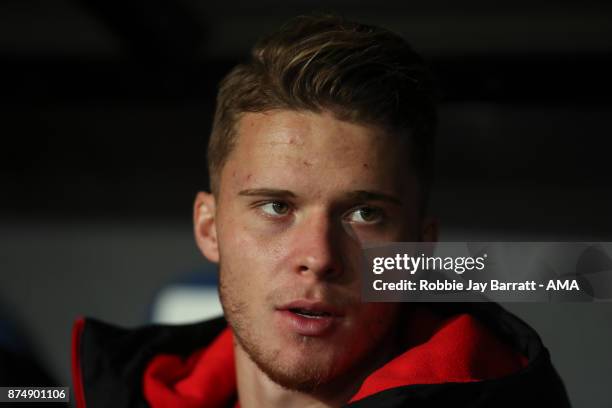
x=304, y=373
x=296, y=362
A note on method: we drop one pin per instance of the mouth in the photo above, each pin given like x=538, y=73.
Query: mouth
x=309, y=318
x=309, y=313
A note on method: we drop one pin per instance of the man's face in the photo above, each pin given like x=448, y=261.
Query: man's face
x=298, y=196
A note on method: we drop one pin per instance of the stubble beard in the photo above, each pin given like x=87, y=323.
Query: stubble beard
x=306, y=377
x=311, y=373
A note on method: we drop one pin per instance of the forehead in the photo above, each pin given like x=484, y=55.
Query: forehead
x=305, y=147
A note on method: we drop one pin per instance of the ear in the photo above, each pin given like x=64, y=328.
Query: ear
x=204, y=225
x=429, y=230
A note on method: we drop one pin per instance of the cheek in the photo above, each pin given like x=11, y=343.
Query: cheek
x=244, y=236
x=246, y=257
x=378, y=319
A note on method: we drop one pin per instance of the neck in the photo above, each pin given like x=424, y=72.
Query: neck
x=256, y=389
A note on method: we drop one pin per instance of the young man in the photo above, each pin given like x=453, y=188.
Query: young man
x=322, y=142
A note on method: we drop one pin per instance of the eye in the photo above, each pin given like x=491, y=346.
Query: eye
x=275, y=208
x=366, y=215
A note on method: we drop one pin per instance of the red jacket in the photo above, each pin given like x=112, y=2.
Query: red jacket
x=460, y=355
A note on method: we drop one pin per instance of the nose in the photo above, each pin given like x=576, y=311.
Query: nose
x=318, y=248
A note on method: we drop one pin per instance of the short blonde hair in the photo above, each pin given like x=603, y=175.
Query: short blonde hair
x=361, y=73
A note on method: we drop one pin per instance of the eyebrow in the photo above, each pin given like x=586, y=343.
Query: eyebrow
x=362, y=195
x=267, y=192
x=359, y=195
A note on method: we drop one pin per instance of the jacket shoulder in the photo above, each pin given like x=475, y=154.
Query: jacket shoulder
x=536, y=385
x=109, y=361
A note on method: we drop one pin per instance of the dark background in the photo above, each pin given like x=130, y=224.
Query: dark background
x=106, y=108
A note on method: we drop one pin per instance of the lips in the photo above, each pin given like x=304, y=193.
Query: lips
x=309, y=318
x=309, y=313
x=313, y=308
